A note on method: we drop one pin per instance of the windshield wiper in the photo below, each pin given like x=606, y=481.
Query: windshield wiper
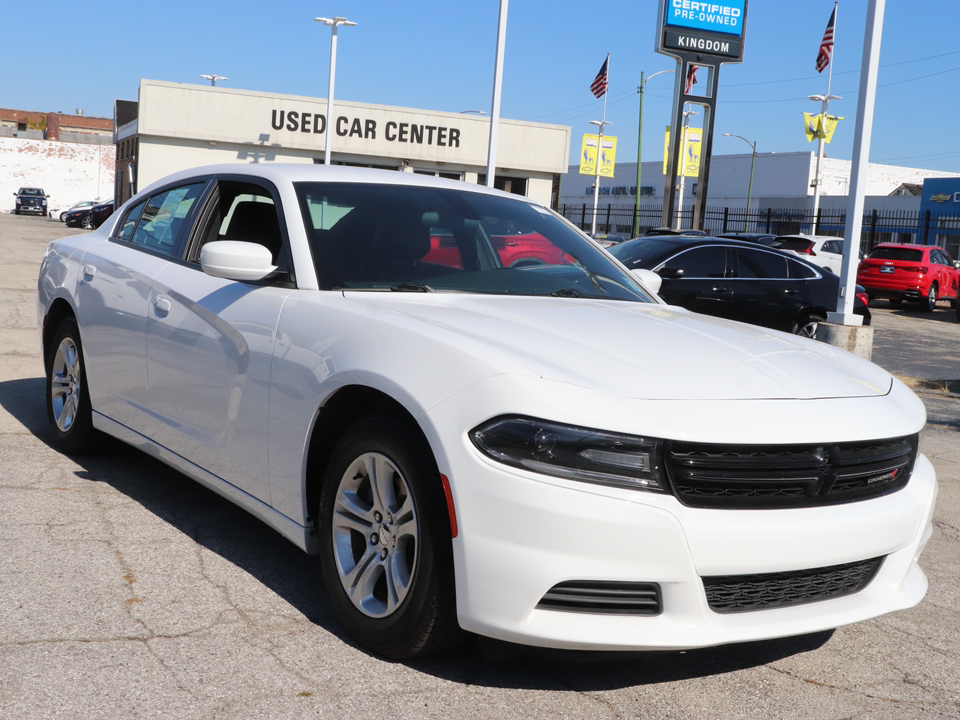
x=567, y=292
x=412, y=287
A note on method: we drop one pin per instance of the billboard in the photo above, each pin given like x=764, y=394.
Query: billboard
x=720, y=17
x=709, y=29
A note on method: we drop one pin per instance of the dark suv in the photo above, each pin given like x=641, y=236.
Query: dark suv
x=30, y=200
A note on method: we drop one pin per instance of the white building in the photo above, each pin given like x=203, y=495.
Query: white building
x=176, y=126
x=780, y=181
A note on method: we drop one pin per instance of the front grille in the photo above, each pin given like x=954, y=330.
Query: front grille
x=605, y=598
x=788, y=476
x=745, y=593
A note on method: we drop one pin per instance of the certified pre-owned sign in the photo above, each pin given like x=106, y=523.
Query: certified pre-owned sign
x=724, y=17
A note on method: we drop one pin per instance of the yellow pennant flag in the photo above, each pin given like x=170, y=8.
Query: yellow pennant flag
x=830, y=126
x=813, y=125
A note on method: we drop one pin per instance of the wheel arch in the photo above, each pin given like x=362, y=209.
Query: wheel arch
x=59, y=310
x=335, y=417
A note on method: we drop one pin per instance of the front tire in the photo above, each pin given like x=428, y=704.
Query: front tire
x=69, y=411
x=807, y=327
x=385, y=548
x=87, y=223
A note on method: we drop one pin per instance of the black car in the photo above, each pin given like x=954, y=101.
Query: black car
x=89, y=217
x=760, y=238
x=30, y=200
x=739, y=281
x=99, y=213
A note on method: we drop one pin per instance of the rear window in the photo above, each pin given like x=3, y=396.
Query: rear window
x=903, y=254
x=793, y=244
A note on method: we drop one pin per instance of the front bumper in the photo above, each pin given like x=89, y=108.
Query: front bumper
x=520, y=534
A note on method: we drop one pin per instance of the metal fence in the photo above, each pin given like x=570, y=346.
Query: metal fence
x=923, y=227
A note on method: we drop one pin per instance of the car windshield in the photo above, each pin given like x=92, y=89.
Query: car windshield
x=31, y=191
x=367, y=236
x=895, y=253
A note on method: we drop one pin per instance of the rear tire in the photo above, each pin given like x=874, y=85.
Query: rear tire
x=69, y=412
x=929, y=303
x=385, y=549
x=808, y=326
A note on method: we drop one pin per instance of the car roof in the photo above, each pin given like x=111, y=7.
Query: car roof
x=285, y=173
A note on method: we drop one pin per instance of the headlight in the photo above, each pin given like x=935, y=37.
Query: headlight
x=592, y=456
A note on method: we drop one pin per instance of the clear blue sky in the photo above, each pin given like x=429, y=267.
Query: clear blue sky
x=439, y=55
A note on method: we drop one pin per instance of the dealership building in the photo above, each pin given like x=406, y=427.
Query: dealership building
x=174, y=126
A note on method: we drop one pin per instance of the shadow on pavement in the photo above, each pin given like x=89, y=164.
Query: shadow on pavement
x=221, y=527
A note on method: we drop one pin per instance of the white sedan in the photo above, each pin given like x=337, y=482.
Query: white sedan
x=823, y=250
x=61, y=213
x=546, y=455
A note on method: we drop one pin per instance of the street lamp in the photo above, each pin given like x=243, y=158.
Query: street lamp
x=334, y=23
x=596, y=180
x=643, y=84
x=753, y=163
x=213, y=78
x=824, y=101
x=476, y=112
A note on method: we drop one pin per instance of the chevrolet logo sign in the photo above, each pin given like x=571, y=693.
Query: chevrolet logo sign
x=941, y=197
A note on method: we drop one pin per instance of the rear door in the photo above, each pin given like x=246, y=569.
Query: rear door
x=765, y=293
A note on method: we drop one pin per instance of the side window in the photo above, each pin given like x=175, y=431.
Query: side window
x=760, y=264
x=833, y=246
x=129, y=223
x=702, y=262
x=159, y=225
x=799, y=270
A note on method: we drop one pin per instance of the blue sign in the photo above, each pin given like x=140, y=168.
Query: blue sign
x=721, y=17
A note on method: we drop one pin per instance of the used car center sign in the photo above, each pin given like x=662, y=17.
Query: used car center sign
x=708, y=28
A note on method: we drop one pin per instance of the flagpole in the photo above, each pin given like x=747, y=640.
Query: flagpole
x=596, y=180
x=824, y=110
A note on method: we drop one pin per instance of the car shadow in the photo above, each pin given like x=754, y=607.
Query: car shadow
x=221, y=527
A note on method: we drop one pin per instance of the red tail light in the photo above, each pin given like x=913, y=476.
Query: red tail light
x=864, y=298
x=922, y=269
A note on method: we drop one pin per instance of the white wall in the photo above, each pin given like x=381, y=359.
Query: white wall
x=67, y=172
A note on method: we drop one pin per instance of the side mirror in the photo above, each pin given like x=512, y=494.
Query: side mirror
x=648, y=279
x=956, y=264
x=236, y=260
x=670, y=273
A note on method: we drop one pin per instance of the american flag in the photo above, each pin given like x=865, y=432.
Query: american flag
x=691, y=78
x=599, y=86
x=826, y=45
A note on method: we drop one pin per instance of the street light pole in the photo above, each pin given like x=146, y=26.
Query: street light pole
x=334, y=23
x=753, y=163
x=213, y=79
x=643, y=84
x=596, y=179
x=497, y=90
x=683, y=164
x=824, y=101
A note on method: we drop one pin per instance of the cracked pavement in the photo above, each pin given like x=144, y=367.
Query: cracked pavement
x=126, y=590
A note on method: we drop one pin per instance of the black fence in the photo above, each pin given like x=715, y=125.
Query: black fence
x=902, y=226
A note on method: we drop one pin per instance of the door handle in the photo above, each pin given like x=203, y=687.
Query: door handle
x=720, y=290
x=789, y=291
x=162, y=305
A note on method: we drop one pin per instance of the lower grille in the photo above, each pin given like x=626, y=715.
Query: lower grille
x=788, y=476
x=745, y=593
x=604, y=598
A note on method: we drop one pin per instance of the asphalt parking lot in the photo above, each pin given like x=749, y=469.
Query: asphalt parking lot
x=128, y=591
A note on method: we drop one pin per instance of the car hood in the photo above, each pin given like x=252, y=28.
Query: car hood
x=636, y=350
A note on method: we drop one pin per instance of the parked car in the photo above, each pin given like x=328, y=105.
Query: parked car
x=760, y=238
x=99, y=213
x=30, y=201
x=547, y=455
x=739, y=281
x=606, y=240
x=919, y=273
x=516, y=250
x=61, y=213
x=79, y=217
x=822, y=250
